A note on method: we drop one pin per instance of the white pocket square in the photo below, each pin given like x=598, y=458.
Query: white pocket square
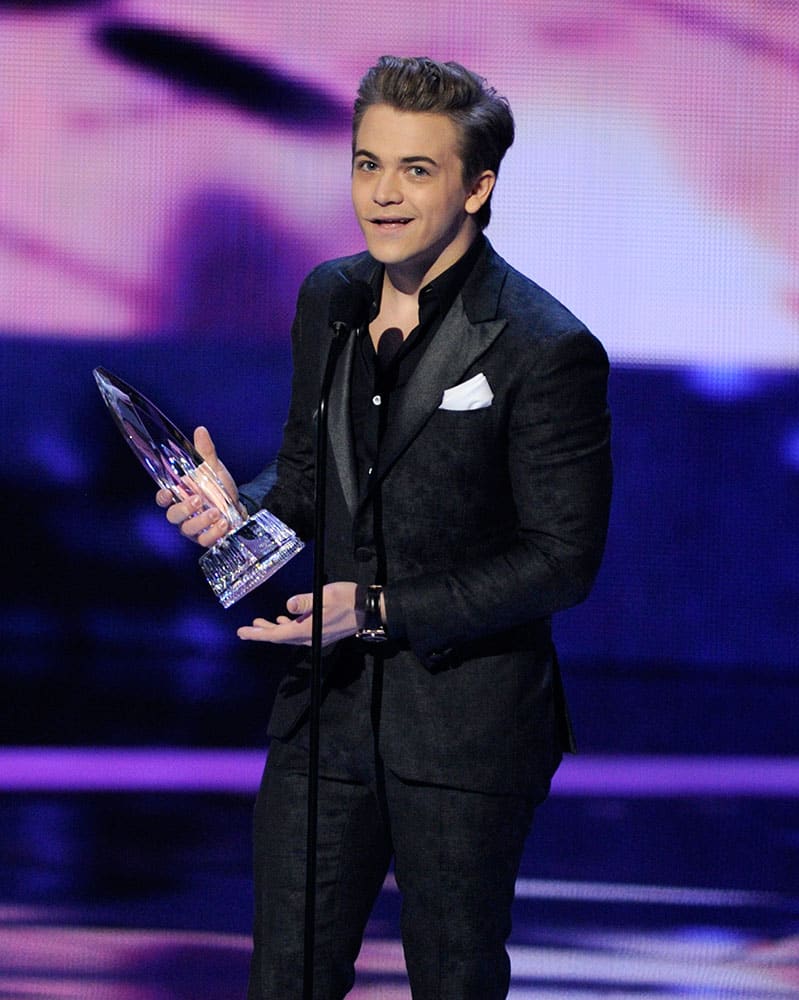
x=474, y=394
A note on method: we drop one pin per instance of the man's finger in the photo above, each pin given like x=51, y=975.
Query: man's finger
x=177, y=513
x=205, y=445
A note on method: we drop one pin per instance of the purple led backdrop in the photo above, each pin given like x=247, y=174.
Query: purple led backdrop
x=170, y=171
x=652, y=184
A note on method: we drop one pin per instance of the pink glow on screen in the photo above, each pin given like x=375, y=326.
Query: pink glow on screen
x=652, y=185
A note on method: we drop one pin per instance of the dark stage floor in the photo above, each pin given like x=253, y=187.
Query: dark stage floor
x=644, y=877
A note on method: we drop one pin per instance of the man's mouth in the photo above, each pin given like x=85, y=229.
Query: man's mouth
x=391, y=223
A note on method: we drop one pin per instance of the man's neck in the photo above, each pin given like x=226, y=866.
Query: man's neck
x=405, y=281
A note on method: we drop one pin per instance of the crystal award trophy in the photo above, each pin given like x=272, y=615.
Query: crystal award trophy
x=253, y=549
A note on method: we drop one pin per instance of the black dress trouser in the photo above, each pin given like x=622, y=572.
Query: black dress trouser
x=456, y=856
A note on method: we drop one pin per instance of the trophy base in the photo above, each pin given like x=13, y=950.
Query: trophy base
x=248, y=555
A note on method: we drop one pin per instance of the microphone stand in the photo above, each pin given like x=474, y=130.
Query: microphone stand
x=340, y=332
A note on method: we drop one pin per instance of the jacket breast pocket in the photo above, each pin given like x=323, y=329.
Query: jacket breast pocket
x=462, y=444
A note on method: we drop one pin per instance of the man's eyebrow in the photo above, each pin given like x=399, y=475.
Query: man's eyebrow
x=420, y=158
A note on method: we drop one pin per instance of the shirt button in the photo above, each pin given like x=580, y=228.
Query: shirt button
x=377, y=400
x=363, y=553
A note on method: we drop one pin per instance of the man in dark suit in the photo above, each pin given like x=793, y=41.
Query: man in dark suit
x=467, y=497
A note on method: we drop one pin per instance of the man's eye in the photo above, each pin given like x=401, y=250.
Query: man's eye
x=367, y=165
x=419, y=172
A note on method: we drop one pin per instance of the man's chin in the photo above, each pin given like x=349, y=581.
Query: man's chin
x=388, y=247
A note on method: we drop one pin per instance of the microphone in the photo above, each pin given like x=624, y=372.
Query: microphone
x=349, y=305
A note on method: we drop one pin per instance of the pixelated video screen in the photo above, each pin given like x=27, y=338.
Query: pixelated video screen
x=169, y=172
x=177, y=165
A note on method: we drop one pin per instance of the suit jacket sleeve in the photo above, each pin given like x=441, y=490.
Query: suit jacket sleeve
x=286, y=486
x=560, y=475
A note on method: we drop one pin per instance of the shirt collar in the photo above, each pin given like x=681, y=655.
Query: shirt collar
x=436, y=297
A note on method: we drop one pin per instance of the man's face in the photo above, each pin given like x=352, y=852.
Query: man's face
x=408, y=191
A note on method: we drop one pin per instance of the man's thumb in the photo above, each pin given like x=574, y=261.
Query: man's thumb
x=299, y=604
x=205, y=446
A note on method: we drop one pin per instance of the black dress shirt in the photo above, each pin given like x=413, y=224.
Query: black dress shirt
x=379, y=376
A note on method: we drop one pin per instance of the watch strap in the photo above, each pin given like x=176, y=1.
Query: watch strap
x=373, y=628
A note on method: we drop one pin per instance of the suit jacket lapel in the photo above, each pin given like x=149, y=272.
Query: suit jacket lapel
x=468, y=330
x=455, y=347
x=339, y=425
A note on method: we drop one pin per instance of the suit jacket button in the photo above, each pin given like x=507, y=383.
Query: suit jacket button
x=364, y=554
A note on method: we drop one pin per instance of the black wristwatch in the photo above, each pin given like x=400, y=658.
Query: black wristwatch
x=373, y=628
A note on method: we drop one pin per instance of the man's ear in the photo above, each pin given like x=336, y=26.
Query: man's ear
x=479, y=191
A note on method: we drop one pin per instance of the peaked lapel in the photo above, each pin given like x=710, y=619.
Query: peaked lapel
x=339, y=423
x=455, y=347
x=468, y=330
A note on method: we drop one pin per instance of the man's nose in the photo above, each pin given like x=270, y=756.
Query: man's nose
x=387, y=190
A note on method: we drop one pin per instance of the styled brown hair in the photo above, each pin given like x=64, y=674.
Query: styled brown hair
x=481, y=116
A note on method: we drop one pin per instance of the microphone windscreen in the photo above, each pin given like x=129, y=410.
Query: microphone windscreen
x=349, y=303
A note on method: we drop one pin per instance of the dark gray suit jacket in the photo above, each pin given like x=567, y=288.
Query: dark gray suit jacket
x=490, y=520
